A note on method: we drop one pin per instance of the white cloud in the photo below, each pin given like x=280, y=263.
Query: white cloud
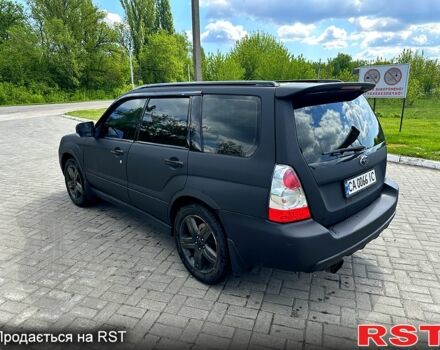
x=370, y=23
x=310, y=11
x=371, y=26
x=331, y=38
x=208, y=3
x=420, y=39
x=112, y=18
x=295, y=32
x=223, y=31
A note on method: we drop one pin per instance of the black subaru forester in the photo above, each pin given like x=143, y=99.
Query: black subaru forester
x=290, y=175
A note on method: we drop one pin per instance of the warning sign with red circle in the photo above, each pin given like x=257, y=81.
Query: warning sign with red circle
x=391, y=80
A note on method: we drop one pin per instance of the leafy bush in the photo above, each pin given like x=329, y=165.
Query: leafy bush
x=38, y=93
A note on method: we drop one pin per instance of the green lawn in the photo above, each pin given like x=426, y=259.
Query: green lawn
x=420, y=136
x=93, y=114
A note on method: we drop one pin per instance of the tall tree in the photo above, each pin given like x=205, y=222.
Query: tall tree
x=10, y=14
x=221, y=67
x=263, y=57
x=165, y=58
x=164, y=16
x=78, y=45
x=141, y=18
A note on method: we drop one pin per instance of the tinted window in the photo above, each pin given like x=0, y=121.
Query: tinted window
x=230, y=124
x=123, y=120
x=324, y=128
x=165, y=121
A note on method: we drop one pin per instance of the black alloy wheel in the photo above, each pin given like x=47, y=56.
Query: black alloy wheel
x=201, y=243
x=75, y=184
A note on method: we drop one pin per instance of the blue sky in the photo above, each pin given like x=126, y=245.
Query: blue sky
x=317, y=29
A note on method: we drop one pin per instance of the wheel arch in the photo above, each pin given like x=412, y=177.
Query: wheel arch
x=187, y=198
x=237, y=263
x=64, y=158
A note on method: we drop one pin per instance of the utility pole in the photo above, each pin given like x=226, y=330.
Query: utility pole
x=128, y=43
x=197, y=51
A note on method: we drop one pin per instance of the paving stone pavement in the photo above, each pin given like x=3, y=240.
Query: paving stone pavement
x=66, y=268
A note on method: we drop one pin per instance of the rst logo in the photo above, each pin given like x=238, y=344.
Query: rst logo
x=402, y=335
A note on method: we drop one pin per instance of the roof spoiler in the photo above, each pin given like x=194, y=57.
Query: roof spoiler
x=317, y=94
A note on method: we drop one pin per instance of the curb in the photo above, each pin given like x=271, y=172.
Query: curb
x=393, y=158
x=76, y=118
x=419, y=162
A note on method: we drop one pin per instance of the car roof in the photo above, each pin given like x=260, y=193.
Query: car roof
x=283, y=89
x=238, y=83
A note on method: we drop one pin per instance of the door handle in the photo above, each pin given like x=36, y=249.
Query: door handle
x=173, y=162
x=117, y=151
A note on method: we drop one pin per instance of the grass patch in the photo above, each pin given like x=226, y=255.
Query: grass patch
x=93, y=114
x=420, y=136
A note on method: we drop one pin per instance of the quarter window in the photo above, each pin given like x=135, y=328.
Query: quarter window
x=165, y=121
x=122, y=122
x=230, y=124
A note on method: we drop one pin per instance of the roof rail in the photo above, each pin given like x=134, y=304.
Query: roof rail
x=266, y=83
x=310, y=81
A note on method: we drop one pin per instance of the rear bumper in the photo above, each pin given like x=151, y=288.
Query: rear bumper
x=307, y=246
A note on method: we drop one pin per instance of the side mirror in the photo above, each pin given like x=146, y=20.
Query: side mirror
x=86, y=129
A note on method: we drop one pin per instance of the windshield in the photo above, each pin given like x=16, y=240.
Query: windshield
x=324, y=128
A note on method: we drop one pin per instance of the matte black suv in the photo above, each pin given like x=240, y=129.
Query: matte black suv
x=289, y=175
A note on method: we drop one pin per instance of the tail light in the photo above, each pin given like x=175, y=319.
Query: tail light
x=287, y=200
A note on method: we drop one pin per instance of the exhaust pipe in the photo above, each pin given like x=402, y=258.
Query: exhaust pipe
x=335, y=267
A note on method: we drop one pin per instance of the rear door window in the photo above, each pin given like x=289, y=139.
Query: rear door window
x=165, y=121
x=230, y=124
x=324, y=128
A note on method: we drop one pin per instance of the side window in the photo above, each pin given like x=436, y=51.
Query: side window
x=122, y=122
x=165, y=121
x=230, y=124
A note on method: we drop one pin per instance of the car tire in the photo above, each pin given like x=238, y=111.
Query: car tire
x=201, y=243
x=76, y=185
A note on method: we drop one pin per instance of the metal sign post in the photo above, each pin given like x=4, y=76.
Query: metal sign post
x=401, y=116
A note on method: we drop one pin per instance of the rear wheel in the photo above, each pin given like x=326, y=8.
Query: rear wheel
x=201, y=243
x=75, y=184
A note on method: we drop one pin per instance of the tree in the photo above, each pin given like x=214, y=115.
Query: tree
x=164, y=17
x=141, y=18
x=10, y=14
x=79, y=48
x=221, y=67
x=15, y=67
x=342, y=62
x=301, y=68
x=165, y=58
x=263, y=57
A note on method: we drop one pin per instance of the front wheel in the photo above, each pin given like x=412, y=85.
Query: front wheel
x=75, y=184
x=201, y=243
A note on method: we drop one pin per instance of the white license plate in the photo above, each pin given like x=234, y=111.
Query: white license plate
x=359, y=183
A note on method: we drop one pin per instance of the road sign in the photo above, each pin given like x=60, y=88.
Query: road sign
x=391, y=80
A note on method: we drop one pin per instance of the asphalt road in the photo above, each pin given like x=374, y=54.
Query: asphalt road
x=63, y=268
x=35, y=111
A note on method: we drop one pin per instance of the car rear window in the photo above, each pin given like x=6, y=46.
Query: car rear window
x=323, y=128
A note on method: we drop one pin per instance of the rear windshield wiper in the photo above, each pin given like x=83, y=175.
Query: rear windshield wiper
x=350, y=138
x=343, y=150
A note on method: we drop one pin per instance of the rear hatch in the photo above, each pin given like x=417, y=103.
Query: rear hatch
x=342, y=146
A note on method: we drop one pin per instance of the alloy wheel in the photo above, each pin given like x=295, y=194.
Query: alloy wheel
x=74, y=182
x=198, y=244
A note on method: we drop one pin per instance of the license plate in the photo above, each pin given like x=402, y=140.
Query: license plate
x=359, y=183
